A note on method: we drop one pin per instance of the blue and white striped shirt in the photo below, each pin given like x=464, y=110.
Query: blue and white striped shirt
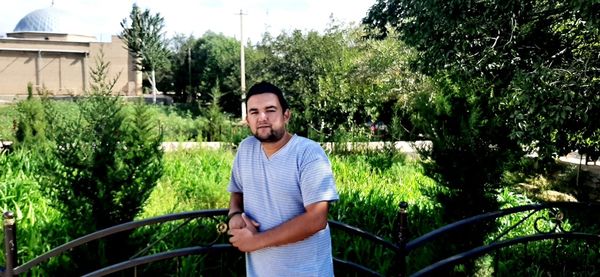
x=277, y=189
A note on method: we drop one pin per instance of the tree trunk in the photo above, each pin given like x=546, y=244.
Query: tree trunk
x=153, y=83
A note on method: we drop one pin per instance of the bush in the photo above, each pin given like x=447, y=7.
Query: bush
x=8, y=122
x=31, y=123
x=99, y=169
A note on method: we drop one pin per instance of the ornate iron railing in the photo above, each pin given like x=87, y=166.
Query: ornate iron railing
x=401, y=247
x=12, y=269
x=556, y=218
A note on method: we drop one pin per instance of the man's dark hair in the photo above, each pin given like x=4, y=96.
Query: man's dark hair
x=266, y=87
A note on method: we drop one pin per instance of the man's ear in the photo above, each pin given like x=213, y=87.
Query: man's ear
x=286, y=115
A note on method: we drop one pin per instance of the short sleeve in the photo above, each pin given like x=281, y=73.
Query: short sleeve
x=234, y=181
x=316, y=177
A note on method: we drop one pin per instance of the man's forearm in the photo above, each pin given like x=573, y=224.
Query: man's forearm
x=296, y=229
x=236, y=203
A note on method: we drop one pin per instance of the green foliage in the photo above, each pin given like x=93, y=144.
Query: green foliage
x=144, y=37
x=179, y=78
x=504, y=79
x=31, y=122
x=337, y=74
x=8, y=120
x=338, y=80
x=100, y=168
x=192, y=180
x=537, y=57
x=181, y=127
x=216, y=119
x=38, y=226
x=371, y=185
x=219, y=63
x=210, y=126
x=203, y=64
x=146, y=42
x=468, y=154
x=29, y=90
x=546, y=258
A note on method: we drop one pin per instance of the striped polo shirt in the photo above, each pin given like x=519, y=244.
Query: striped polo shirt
x=277, y=189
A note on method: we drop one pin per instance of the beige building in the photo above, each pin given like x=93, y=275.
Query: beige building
x=45, y=50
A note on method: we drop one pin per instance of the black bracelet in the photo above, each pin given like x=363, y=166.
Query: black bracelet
x=229, y=216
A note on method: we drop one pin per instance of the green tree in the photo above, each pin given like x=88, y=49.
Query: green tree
x=336, y=81
x=100, y=168
x=217, y=121
x=219, y=62
x=507, y=76
x=145, y=40
x=538, y=57
x=182, y=78
x=200, y=64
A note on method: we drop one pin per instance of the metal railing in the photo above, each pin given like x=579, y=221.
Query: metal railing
x=13, y=269
x=557, y=218
x=402, y=248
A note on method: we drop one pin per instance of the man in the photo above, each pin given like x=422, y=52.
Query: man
x=281, y=185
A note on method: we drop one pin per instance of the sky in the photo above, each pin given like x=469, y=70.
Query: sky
x=194, y=17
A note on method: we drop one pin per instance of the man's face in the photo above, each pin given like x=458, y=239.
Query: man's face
x=266, y=118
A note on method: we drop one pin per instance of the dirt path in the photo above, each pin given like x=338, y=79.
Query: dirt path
x=591, y=172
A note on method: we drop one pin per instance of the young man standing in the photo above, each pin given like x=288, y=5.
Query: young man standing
x=281, y=185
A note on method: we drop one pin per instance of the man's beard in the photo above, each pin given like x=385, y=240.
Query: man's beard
x=273, y=136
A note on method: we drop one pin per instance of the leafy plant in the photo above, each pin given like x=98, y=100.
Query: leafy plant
x=101, y=168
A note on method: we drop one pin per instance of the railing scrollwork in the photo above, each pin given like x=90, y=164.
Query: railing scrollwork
x=555, y=218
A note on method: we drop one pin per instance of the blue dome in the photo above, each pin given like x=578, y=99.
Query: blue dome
x=48, y=20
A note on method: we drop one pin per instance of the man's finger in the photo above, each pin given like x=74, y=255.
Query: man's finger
x=249, y=221
x=234, y=232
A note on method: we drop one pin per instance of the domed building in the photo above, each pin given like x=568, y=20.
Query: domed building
x=48, y=50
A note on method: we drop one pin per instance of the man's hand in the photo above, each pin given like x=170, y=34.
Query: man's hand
x=236, y=222
x=244, y=238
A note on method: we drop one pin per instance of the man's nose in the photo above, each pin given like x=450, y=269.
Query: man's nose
x=262, y=116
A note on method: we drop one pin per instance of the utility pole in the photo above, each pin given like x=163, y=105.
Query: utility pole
x=242, y=66
x=190, y=73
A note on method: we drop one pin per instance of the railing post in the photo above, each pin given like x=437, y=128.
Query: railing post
x=402, y=238
x=10, y=243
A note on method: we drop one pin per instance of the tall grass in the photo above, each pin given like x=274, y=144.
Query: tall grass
x=370, y=186
x=38, y=226
x=193, y=180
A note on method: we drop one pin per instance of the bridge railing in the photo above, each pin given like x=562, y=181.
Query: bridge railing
x=402, y=247
x=13, y=269
x=555, y=217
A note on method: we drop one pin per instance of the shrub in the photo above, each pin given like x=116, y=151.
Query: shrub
x=8, y=122
x=100, y=169
x=31, y=122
